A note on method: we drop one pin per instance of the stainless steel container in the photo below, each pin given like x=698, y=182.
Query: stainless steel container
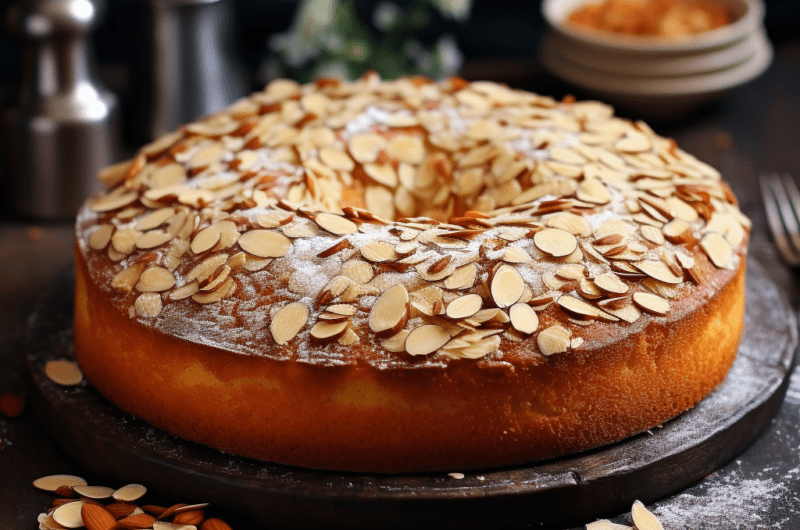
x=62, y=128
x=193, y=70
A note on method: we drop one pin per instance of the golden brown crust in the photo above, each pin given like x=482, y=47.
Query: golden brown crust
x=361, y=418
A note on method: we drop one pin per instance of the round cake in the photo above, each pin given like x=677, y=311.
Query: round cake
x=402, y=276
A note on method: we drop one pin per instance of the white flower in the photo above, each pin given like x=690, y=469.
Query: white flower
x=455, y=9
x=386, y=15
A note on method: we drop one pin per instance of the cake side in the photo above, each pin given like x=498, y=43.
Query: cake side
x=360, y=418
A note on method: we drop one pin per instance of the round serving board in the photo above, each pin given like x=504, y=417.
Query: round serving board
x=554, y=493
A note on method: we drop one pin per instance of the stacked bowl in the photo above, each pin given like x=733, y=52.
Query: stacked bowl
x=656, y=77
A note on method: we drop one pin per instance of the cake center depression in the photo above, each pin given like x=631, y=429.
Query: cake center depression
x=438, y=220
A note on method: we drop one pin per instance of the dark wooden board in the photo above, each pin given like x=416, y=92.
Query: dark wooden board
x=551, y=494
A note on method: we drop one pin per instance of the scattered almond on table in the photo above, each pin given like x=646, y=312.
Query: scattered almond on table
x=642, y=520
x=101, y=508
x=11, y=405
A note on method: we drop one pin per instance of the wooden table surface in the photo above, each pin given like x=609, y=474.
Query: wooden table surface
x=755, y=129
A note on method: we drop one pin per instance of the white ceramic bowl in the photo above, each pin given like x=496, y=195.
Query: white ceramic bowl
x=657, y=77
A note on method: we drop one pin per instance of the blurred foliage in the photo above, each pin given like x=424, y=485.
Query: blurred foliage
x=345, y=38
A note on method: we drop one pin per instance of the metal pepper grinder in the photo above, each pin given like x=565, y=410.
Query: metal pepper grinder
x=62, y=128
x=192, y=69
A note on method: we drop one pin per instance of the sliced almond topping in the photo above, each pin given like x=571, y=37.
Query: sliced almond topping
x=593, y=191
x=507, y=286
x=554, y=339
x=555, y=242
x=223, y=291
x=127, y=278
x=396, y=343
x=358, y=271
x=462, y=277
x=611, y=283
x=390, y=312
x=326, y=330
x=99, y=239
x=633, y=142
x=288, y=322
x=148, y=305
x=426, y=339
x=378, y=252
x=184, y=292
x=341, y=309
x=336, y=248
x=574, y=224
x=678, y=232
x=578, y=307
x=382, y=174
x=643, y=519
x=336, y=224
x=658, y=270
x=205, y=239
x=336, y=159
x=660, y=288
x=166, y=176
x=265, y=243
x=516, y=255
x=114, y=174
x=114, y=200
x=523, y=318
x=404, y=148
x=365, y=147
x=652, y=234
x=651, y=303
x=464, y=306
x=155, y=280
x=717, y=249
x=687, y=262
x=571, y=272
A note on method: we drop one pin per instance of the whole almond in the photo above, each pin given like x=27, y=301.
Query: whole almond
x=96, y=517
x=215, y=524
x=141, y=520
x=120, y=509
x=11, y=405
x=64, y=491
x=193, y=517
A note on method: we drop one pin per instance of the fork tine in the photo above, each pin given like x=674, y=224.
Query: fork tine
x=779, y=215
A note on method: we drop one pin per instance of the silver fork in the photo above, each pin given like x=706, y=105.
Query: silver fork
x=782, y=205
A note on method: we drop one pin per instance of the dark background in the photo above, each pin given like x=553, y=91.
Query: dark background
x=499, y=42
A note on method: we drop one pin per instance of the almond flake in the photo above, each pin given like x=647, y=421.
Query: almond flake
x=717, y=249
x=516, y=255
x=578, y=307
x=205, y=239
x=610, y=283
x=464, y=306
x=218, y=294
x=555, y=242
x=633, y=142
x=651, y=303
x=390, y=311
x=148, y=305
x=99, y=239
x=678, y=232
x=396, y=343
x=462, y=278
x=593, y=191
x=69, y=515
x=523, y=318
x=336, y=224
x=507, y=286
x=265, y=243
x=113, y=201
x=652, y=234
x=605, y=524
x=365, y=147
x=382, y=174
x=554, y=339
x=325, y=330
x=644, y=519
x=378, y=252
x=574, y=224
x=658, y=270
x=288, y=322
x=63, y=372
x=628, y=312
x=426, y=339
x=52, y=482
x=155, y=280
x=184, y=292
x=336, y=159
x=358, y=271
x=93, y=492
